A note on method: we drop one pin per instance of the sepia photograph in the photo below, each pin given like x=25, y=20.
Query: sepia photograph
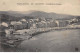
x=40, y=26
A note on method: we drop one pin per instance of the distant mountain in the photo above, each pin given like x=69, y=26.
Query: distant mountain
x=41, y=14
x=12, y=13
x=15, y=15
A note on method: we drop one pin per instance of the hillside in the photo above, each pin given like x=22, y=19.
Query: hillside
x=15, y=15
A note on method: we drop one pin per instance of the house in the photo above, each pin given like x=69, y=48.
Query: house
x=16, y=23
x=61, y=23
x=4, y=24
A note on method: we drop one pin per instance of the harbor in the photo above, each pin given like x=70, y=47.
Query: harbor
x=39, y=34
x=55, y=40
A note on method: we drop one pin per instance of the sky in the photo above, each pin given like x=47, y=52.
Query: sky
x=71, y=7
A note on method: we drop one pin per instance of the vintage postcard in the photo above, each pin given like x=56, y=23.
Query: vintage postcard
x=39, y=25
